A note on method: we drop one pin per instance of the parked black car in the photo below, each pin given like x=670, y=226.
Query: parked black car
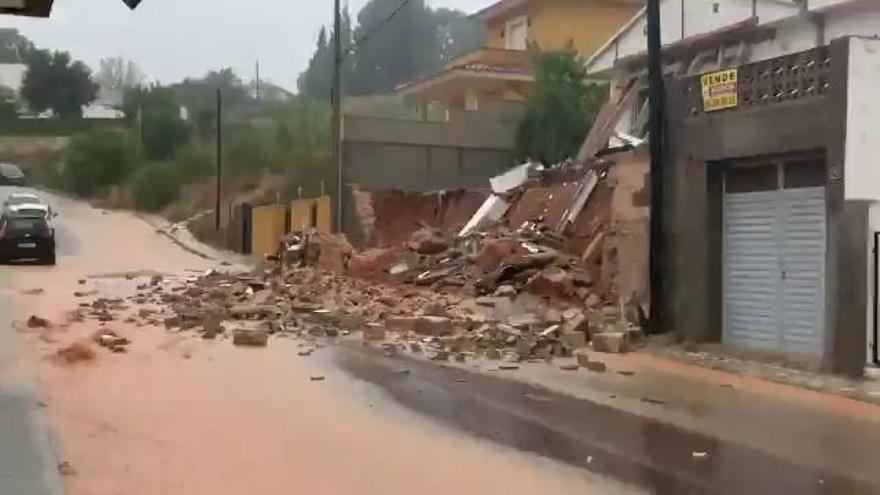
x=27, y=234
x=11, y=175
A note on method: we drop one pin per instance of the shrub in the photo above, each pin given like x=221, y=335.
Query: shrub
x=248, y=150
x=156, y=186
x=163, y=134
x=194, y=162
x=99, y=158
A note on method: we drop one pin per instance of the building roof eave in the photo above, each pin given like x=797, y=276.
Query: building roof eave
x=32, y=8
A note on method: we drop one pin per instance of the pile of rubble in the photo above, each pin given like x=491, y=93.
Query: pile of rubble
x=525, y=287
x=311, y=305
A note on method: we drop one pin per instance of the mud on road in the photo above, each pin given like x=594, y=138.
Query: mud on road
x=179, y=415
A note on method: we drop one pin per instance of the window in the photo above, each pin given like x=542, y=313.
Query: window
x=752, y=178
x=808, y=172
x=517, y=33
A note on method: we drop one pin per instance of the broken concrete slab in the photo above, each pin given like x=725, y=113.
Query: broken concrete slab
x=492, y=210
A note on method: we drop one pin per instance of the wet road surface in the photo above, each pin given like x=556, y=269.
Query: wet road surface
x=179, y=415
x=637, y=449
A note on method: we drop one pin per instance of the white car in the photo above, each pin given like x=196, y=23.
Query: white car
x=31, y=210
x=18, y=200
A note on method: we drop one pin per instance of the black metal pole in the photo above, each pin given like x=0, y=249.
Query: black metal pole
x=657, y=140
x=219, y=159
x=336, y=99
x=258, y=95
x=875, y=352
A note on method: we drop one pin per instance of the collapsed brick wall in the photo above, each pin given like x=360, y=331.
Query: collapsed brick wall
x=397, y=215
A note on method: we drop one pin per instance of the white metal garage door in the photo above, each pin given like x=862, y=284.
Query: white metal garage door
x=774, y=269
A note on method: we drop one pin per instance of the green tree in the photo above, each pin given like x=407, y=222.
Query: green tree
x=396, y=50
x=55, y=82
x=458, y=33
x=117, y=73
x=14, y=48
x=9, y=103
x=154, y=114
x=316, y=80
x=98, y=158
x=561, y=108
x=394, y=47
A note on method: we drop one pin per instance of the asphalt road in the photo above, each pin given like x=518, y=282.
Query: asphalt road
x=28, y=464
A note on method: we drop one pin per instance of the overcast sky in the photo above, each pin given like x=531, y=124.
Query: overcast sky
x=173, y=39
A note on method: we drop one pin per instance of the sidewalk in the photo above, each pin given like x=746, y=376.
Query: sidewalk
x=825, y=431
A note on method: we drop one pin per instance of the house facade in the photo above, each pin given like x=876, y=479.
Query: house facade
x=502, y=70
x=771, y=190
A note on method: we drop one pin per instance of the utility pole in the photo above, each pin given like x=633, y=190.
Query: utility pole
x=657, y=141
x=140, y=123
x=219, y=159
x=336, y=99
x=258, y=82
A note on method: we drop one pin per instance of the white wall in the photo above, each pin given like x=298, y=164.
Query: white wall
x=700, y=16
x=862, y=167
x=861, y=20
x=791, y=37
x=12, y=75
x=682, y=19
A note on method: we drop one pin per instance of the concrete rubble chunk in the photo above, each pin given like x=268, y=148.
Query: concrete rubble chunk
x=553, y=316
x=38, y=322
x=611, y=342
x=592, y=301
x=596, y=367
x=552, y=282
x=251, y=310
x=524, y=347
x=579, y=324
x=574, y=340
x=402, y=324
x=439, y=356
x=374, y=332
x=552, y=330
x=433, y=325
x=250, y=337
x=507, y=291
x=524, y=321
x=211, y=324
x=427, y=241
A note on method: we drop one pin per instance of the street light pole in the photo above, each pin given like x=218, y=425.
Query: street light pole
x=657, y=140
x=336, y=99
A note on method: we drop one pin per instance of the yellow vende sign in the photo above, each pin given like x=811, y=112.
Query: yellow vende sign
x=719, y=90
